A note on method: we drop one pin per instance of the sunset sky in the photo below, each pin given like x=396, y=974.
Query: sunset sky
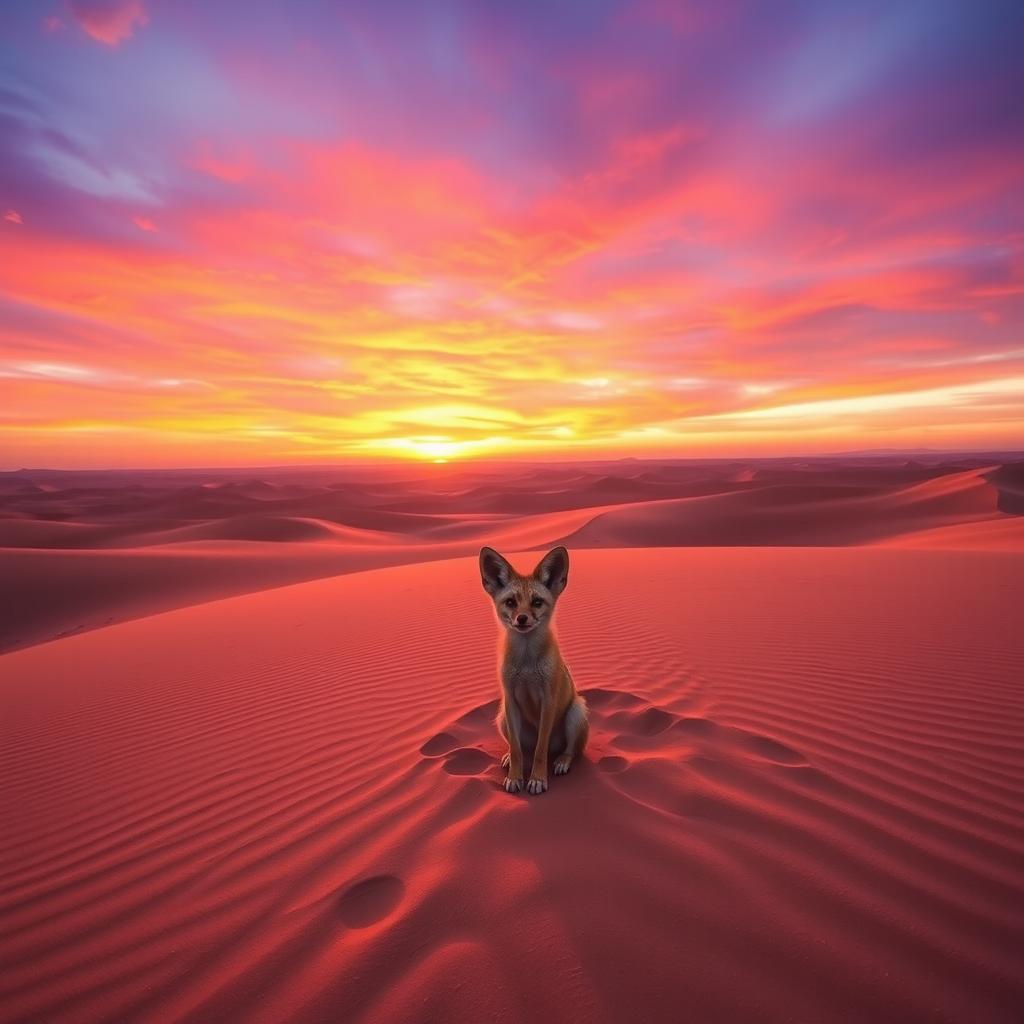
x=254, y=233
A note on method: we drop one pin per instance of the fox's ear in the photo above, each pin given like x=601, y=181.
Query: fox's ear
x=495, y=572
x=553, y=570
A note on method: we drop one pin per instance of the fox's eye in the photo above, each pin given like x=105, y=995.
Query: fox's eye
x=510, y=602
x=536, y=603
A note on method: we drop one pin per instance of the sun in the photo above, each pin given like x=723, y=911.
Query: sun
x=437, y=448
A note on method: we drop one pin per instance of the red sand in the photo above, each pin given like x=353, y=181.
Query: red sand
x=803, y=801
x=85, y=550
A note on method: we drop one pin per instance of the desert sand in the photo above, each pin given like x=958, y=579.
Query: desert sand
x=85, y=550
x=803, y=799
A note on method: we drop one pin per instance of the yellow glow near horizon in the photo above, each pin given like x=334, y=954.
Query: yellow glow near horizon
x=430, y=449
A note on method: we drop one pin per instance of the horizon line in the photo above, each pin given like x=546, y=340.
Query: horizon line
x=880, y=453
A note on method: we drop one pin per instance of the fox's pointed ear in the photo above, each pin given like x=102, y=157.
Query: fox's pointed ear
x=495, y=571
x=553, y=570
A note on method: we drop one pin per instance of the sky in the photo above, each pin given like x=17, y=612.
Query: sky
x=255, y=233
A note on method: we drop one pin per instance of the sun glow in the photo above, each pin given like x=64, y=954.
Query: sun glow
x=438, y=448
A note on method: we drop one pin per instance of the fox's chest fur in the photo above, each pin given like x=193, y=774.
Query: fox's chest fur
x=531, y=675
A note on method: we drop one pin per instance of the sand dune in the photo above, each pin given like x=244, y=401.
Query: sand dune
x=85, y=550
x=803, y=801
x=823, y=512
x=65, y=592
x=1005, y=534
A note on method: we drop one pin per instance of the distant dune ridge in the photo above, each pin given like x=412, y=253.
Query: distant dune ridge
x=803, y=798
x=87, y=549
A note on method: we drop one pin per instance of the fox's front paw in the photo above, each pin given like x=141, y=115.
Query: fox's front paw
x=561, y=765
x=536, y=785
x=513, y=785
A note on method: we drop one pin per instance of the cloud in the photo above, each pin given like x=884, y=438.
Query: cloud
x=110, y=22
x=982, y=392
x=90, y=176
x=13, y=217
x=91, y=376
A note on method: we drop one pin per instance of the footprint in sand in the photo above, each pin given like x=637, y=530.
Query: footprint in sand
x=455, y=758
x=612, y=763
x=439, y=744
x=469, y=746
x=683, y=764
x=468, y=761
x=370, y=900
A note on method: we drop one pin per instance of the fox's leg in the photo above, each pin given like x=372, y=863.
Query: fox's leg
x=504, y=732
x=511, y=726
x=577, y=729
x=539, y=773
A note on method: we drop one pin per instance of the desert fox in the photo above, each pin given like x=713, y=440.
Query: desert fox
x=540, y=708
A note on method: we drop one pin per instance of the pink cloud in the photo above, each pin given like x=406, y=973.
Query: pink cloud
x=13, y=217
x=53, y=24
x=143, y=223
x=108, y=21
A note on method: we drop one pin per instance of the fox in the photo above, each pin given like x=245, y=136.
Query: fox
x=540, y=710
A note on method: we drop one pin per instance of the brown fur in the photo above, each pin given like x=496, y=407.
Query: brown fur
x=540, y=708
